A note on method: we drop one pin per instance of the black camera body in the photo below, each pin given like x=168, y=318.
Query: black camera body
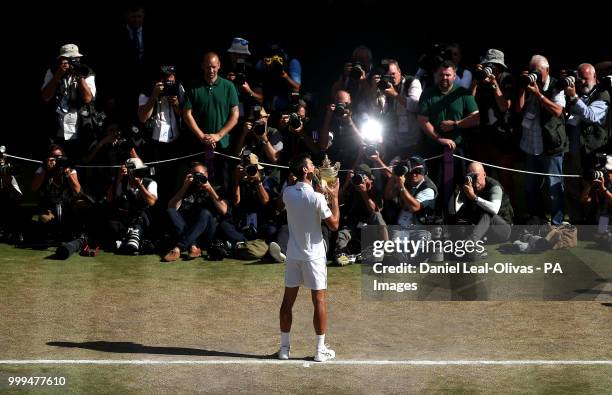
x=128, y=139
x=62, y=162
x=357, y=71
x=358, y=178
x=470, y=178
x=370, y=149
x=341, y=110
x=171, y=88
x=199, y=179
x=142, y=172
x=259, y=127
x=386, y=81
x=567, y=79
x=599, y=170
x=295, y=121
x=402, y=168
x=488, y=69
x=530, y=78
x=78, y=68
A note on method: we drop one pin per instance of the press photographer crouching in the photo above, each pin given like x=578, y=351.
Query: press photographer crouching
x=57, y=183
x=132, y=195
x=252, y=195
x=11, y=218
x=597, y=195
x=362, y=205
x=411, y=191
x=193, y=211
x=481, y=201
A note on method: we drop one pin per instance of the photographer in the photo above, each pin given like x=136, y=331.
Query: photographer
x=160, y=112
x=132, y=195
x=481, y=201
x=544, y=139
x=339, y=123
x=281, y=75
x=242, y=74
x=493, y=88
x=58, y=186
x=193, y=211
x=11, y=218
x=296, y=132
x=259, y=138
x=588, y=128
x=72, y=85
x=362, y=206
x=253, y=194
x=355, y=79
x=409, y=188
x=588, y=109
x=597, y=196
x=399, y=110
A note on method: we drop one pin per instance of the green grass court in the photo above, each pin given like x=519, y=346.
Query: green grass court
x=137, y=308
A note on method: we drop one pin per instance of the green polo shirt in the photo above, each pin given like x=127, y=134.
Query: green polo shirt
x=455, y=105
x=211, y=105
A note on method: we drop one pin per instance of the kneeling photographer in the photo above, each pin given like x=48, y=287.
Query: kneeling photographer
x=597, y=195
x=362, y=205
x=253, y=193
x=61, y=204
x=132, y=195
x=411, y=191
x=481, y=201
x=193, y=211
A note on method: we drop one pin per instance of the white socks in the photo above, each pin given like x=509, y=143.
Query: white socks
x=320, y=342
x=285, y=339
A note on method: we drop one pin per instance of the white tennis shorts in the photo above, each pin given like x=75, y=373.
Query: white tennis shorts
x=311, y=274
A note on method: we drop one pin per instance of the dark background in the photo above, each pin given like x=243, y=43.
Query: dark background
x=320, y=34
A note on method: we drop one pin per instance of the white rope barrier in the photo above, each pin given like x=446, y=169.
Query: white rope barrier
x=286, y=167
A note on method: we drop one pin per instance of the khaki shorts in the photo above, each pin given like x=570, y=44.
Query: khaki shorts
x=311, y=274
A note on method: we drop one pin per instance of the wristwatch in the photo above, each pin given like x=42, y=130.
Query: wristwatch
x=402, y=189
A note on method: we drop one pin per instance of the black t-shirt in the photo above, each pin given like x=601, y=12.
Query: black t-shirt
x=355, y=208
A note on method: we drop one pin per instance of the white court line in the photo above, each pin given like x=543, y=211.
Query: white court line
x=294, y=362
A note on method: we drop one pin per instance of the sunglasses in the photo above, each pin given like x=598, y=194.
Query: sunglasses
x=241, y=41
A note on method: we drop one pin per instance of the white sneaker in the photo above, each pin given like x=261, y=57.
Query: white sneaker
x=324, y=354
x=276, y=253
x=283, y=353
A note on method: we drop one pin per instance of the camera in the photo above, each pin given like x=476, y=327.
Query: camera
x=402, y=168
x=245, y=160
x=470, y=178
x=275, y=64
x=599, y=170
x=171, y=88
x=433, y=57
x=128, y=139
x=370, y=149
x=78, y=68
x=295, y=121
x=259, y=127
x=530, y=78
x=341, y=110
x=386, y=81
x=357, y=71
x=62, y=162
x=358, y=178
x=567, y=79
x=487, y=70
x=141, y=172
x=65, y=250
x=199, y=179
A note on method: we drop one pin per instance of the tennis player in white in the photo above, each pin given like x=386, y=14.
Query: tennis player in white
x=306, y=262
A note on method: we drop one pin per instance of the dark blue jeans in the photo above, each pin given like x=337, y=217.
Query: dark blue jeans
x=191, y=226
x=550, y=164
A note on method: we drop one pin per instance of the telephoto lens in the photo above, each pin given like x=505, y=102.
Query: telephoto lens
x=251, y=170
x=357, y=179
